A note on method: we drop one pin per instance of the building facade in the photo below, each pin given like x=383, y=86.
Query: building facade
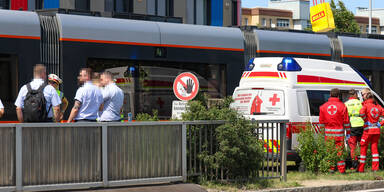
x=377, y=13
x=299, y=8
x=363, y=23
x=201, y=12
x=268, y=18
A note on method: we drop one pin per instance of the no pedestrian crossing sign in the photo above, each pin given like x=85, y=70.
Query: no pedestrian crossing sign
x=186, y=86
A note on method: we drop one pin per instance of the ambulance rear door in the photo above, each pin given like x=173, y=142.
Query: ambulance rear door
x=262, y=104
x=259, y=102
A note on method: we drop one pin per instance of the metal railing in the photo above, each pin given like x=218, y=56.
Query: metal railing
x=201, y=139
x=50, y=156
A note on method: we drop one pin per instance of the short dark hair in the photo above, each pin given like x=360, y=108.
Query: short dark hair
x=39, y=69
x=352, y=92
x=335, y=92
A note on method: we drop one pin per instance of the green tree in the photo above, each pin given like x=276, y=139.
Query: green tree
x=344, y=19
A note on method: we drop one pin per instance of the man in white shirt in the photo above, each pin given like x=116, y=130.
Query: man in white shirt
x=53, y=100
x=113, y=98
x=87, y=100
x=1, y=109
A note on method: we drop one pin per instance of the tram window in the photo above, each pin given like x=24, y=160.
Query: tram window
x=8, y=82
x=149, y=85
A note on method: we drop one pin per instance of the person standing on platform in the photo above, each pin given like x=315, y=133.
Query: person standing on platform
x=55, y=81
x=87, y=100
x=113, y=98
x=36, y=96
x=334, y=118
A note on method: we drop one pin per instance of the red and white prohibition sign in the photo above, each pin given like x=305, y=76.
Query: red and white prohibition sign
x=186, y=86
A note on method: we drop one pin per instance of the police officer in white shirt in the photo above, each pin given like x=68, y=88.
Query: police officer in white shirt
x=113, y=98
x=87, y=100
x=53, y=100
x=1, y=109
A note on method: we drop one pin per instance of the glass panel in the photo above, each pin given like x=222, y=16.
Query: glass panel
x=282, y=22
x=316, y=99
x=148, y=85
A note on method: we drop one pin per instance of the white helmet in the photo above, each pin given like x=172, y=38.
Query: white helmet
x=55, y=78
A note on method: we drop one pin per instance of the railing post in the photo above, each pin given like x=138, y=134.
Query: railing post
x=19, y=157
x=104, y=153
x=283, y=151
x=184, y=150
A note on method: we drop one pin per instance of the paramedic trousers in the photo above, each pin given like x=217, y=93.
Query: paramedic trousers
x=340, y=148
x=364, y=143
x=352, y=143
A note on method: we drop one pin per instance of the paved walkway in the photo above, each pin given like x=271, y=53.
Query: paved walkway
x=182, y=187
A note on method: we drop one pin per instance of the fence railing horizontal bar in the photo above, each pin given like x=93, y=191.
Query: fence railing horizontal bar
x=70, y=186
x=99, y=124
x=270, y=121
x=7, y=189
x=144, y=181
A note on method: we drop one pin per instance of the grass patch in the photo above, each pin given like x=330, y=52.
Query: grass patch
x=294, y=180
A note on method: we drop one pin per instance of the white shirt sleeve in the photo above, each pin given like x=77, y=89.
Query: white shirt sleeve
x=1, y=105
x=20, y=98
x=101, y=96
x=106, y=94
x=79, y=95
x=55, y=100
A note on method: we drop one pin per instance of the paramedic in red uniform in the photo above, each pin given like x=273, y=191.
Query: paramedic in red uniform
x=334, y=117
x=371, y=113
x=354, y=106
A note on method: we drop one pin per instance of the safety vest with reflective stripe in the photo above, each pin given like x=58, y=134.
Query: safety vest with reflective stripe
x=354, y=106
x=61, y=94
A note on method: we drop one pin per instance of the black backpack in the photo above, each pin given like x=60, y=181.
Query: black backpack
x=35, y=105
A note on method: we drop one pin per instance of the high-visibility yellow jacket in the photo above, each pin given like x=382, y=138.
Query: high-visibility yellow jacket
x=354, y=105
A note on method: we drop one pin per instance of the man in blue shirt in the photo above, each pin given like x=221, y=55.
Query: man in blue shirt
x=113, y=98
x=53, y=100
x=87, y=100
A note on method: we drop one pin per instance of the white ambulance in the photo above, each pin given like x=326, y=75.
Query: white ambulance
x=276, y=88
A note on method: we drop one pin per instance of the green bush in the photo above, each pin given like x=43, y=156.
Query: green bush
x=239, y=152
x=317, y=154
x=148, y=117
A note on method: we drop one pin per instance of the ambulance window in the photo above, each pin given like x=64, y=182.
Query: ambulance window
x=316, y=99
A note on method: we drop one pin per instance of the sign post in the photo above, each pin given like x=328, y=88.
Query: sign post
x=185, y=88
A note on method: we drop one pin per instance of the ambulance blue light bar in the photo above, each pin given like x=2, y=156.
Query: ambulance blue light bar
x=288, y=64
x=250, y=65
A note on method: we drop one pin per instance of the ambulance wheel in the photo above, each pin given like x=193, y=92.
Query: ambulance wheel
x=301, y=166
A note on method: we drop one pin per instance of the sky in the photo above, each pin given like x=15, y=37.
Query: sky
x=351, y=4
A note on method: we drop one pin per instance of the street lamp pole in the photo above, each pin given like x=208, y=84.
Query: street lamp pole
x=370, y=17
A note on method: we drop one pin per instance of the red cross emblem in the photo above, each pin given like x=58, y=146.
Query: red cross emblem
x=374, y=112
x=332, y=109
x=274, y=99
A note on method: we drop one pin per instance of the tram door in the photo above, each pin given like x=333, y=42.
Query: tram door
x=8, y=85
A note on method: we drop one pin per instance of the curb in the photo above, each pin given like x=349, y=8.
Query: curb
x=333, y=188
